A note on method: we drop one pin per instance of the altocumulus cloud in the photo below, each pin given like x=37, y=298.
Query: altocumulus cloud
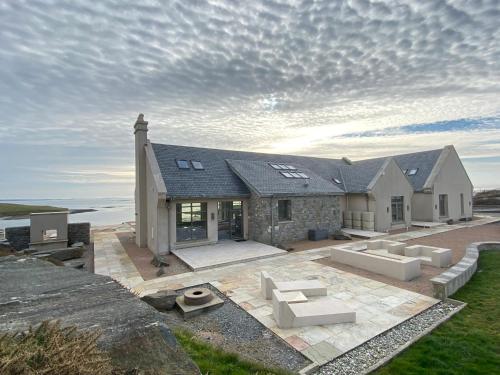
x=282, y=76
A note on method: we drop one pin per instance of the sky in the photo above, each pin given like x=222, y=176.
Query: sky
x=322, y=78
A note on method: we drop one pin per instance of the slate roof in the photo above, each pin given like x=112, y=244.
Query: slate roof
x=219, y=178
x=357, y=177
x=266, y=181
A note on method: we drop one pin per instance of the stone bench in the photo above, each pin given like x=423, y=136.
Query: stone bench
x=320, y=312
x=433, y=256
x=401, y=269
x=392, y=247
x=307, y=287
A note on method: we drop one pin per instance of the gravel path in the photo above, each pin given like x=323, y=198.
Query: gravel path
x=360, y=359
x=233, y=329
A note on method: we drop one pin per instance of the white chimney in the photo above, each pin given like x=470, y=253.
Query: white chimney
x=141, y=214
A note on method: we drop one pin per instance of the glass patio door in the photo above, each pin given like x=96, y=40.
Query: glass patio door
x=397, y=208
x=230, y=220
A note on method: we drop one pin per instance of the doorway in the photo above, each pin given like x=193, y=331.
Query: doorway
x=230, y=220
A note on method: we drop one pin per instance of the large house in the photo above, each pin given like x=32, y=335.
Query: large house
x=190, y=196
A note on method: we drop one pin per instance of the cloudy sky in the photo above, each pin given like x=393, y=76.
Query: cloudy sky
x=326, y=78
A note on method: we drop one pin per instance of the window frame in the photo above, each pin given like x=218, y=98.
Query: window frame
x=397, y=207
x=411, y=170
x=177, y=161
x=445, y=207
x=287, y=208
x=200, y=164
x=186, y=208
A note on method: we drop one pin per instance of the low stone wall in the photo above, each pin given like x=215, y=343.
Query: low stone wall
x=457, y=276
x=19, y=237
x=78, y=232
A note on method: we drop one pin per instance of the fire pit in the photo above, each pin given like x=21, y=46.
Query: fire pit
x=198, y=296
x=197, y=300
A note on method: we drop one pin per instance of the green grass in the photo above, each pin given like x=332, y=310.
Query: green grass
x=469, y=343
x=11, y=209
x=214, y=361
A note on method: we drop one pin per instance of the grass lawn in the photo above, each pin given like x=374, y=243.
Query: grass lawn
x=11, y=209
x=214, y=361
x=469, y=343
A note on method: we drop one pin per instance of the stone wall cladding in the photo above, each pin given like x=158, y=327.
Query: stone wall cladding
x=457, y=276
x=317, y=212
x=19, y=237
x=78, y=232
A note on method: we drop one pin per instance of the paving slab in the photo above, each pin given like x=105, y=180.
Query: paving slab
x=225, y=253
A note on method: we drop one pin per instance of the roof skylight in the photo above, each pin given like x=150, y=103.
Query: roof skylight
x=294, y=175
x=412, y=172
x=197, y=164
x=336, y=180
x=182, y=164
x=284, y=167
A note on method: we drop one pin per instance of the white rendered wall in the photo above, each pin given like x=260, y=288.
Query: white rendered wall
x=452, y=179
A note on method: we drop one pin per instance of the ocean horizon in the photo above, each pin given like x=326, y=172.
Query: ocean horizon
x=107, y=210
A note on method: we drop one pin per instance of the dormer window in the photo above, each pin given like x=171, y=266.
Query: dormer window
x=182, y=164
x=412, y=172
x=197, y=164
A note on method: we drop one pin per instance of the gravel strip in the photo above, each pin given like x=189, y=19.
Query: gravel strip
x=361, y=358
x=234, y=330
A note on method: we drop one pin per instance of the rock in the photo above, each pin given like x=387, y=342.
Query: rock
x=160, y=272
x=159, y=261
x=449, y=222
x=163, y=300
x=339, y=235
x=5, y=247
x=77, y=244
x=133, y=332
x=62, y=254
x=74, y=263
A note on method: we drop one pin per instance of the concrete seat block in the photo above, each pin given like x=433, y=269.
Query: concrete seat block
x=307, y=287
x=402, y=269
x=434, y=256
x=309, y=313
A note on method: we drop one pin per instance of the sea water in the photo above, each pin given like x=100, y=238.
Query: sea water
x=108, y=210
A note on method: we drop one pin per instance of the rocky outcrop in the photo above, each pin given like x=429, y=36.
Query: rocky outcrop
x=134, y=333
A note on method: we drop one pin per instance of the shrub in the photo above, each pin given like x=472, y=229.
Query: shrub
x=50, y=349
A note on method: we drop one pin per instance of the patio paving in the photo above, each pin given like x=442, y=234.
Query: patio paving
x=225, y=253
x=378, y=306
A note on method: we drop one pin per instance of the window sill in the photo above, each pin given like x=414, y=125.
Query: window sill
x=285, y=221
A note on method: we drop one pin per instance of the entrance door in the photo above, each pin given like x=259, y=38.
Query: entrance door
x=397, y=208
x=230, y=220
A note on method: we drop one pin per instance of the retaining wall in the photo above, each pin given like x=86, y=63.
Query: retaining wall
x=19, y=237
x=457, y=276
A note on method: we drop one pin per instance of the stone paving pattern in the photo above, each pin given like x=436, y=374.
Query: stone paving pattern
x=379, y=306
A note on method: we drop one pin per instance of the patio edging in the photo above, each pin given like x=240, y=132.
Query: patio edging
x=454, y=278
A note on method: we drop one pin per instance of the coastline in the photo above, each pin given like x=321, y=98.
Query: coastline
x=71, y=212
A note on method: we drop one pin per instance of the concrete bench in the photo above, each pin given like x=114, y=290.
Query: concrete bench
x=307, y=287
x=433, y=256
x=392, y=247
x=385, y=253
x=320, y=312
x=401, y=269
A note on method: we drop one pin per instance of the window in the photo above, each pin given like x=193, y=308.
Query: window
x=397, y=207
x=294, y=175
x=462, y=207
x=182, y=164
x=336, y=180
x=412, y=172
x=197, y=164
x=405, y=171
x=191, y=221
x=282, y=166
x=443, y=205
x=284, y=210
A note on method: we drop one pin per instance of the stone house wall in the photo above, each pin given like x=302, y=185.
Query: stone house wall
x=19, y=237
x=316, y=212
